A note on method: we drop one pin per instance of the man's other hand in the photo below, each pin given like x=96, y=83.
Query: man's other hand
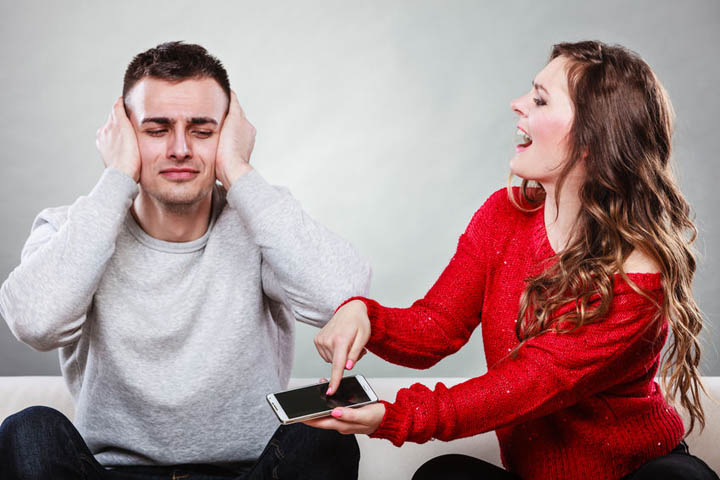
x=237, y=139
x=117, y=142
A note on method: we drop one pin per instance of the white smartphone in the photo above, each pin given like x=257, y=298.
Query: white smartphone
x=305, y=403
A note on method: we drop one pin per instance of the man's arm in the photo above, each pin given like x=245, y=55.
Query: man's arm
x=44, y=300
x=306, y=266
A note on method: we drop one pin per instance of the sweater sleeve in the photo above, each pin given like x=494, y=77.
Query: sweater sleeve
x=551, y=372
x=44, y=300
x=305, y=266
x=441, y=322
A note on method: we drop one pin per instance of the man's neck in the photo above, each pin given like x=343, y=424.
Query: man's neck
x=172, y=223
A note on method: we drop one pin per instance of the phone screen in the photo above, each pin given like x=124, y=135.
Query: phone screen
x=312, y=399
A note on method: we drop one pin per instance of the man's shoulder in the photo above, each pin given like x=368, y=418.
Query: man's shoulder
x=55, y=216
x=224, y=199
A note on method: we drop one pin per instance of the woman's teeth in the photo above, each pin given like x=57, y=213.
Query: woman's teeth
x=526, y=139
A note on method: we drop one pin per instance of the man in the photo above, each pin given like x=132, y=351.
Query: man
x=172, y=299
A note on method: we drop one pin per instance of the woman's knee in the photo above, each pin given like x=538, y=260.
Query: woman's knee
x=460, y=467
x=675, y=466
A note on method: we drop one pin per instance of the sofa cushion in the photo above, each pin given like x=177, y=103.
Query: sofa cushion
x=17, y=393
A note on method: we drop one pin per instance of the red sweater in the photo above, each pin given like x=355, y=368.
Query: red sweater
x=574, y=405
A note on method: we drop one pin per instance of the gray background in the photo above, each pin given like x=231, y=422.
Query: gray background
x=390, y=121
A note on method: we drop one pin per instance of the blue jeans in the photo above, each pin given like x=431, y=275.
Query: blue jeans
x=41, y=443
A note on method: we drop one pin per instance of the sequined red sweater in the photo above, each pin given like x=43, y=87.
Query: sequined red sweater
x=569, y=406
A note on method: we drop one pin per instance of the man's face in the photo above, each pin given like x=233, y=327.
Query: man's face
x=178, y=128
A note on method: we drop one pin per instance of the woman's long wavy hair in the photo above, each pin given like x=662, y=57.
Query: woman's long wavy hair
x=622, y=129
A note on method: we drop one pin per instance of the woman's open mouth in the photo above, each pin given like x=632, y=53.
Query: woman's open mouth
x=526, y=140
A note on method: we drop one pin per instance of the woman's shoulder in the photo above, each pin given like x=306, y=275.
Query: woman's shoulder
x=500, y=209
x=640, y=262
x=499, y=221
x=643, y=271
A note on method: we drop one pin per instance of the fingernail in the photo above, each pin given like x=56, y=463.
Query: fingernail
x=336, y=413
x=349, y=364
x=329, y=391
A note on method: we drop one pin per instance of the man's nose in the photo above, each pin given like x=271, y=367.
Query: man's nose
x=179, y=147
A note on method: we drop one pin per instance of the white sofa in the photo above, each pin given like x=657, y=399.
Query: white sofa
x=17, y=393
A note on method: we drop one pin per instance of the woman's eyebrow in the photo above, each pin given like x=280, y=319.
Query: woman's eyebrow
x=537, y=86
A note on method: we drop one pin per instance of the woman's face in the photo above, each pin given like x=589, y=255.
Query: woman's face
x=545, y=117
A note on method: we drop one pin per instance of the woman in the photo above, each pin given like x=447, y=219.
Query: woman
x=577, y=276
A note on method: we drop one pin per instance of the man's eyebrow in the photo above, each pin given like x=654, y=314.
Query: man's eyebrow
x=203, y=120
x=160, y=120
x=168, y=121
x=540, y=87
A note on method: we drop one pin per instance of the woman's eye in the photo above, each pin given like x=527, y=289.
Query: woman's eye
x=539, y=101
x=203, y=133
x=156, y=133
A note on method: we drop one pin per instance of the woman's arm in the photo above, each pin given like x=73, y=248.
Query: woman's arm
x=441, y=322
x=551, y=372
x=432, y=328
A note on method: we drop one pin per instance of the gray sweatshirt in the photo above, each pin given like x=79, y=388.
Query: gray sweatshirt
x=170, y=348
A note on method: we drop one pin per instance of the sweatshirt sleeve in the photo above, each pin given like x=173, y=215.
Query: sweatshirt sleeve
x=551, y=372
x=311, y=269
x=441, y=322
x=45, y=298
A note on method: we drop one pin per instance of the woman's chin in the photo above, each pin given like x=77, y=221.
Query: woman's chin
x=520, y=169
x=516, y=168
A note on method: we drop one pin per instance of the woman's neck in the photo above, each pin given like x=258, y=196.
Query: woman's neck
x=561, y=211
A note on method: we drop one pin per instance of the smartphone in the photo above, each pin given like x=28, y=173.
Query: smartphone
x=305, y=403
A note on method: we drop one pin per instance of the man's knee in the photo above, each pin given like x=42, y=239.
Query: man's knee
x=32, y=421
x=320, y=443
x=26, y=442
x=35, y=428
x=324, y=439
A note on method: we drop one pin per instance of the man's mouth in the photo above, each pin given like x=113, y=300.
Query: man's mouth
x=179, y=173
x=526, y=140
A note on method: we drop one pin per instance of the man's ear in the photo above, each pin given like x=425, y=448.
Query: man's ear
x=128, y=112
x=227, y=111
x=127, y=101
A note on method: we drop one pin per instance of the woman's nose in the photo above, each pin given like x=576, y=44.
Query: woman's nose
x=517, y=106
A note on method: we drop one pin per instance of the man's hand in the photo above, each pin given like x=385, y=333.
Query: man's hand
x=365, y=419
x=237, y=139
x=342, y=340
x=117, y=142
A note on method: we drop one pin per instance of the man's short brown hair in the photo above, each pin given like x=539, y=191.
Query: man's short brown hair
x=175, y=62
